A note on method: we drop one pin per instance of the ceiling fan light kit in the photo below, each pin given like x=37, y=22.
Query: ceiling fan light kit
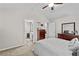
x=52, y=5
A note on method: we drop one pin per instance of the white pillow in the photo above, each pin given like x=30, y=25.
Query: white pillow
x=74, y=43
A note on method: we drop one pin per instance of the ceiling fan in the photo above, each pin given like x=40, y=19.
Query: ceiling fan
x=51, y=5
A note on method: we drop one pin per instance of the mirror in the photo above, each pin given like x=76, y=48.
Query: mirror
x=68, y=28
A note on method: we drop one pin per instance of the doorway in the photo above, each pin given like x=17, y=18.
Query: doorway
x=28, y=30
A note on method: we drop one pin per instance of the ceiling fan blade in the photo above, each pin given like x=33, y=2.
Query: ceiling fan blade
x=45, y=6
x=58, y=3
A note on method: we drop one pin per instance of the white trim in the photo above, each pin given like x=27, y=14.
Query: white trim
x=10, y=47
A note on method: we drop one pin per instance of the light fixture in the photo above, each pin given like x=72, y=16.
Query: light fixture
x=51, y=4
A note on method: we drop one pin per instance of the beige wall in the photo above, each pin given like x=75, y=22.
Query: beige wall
x=12, y=23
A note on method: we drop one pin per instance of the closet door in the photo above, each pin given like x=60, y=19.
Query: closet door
x=51, y=30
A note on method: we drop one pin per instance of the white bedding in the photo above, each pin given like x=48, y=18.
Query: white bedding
x=52, y=47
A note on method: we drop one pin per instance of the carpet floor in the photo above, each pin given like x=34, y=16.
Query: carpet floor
x=25, y=50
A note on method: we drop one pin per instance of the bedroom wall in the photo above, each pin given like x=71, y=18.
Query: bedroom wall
x=11, y=28
x=12, y=18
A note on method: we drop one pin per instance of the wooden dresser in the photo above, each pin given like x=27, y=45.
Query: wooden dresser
x=41, y=34
x=67, y=36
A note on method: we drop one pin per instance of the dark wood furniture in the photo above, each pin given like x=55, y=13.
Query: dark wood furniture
x=41, y=34
x=67, y=36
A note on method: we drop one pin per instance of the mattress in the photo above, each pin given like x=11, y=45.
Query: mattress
x=52, y=47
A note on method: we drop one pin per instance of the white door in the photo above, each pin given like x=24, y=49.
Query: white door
x=51, y=30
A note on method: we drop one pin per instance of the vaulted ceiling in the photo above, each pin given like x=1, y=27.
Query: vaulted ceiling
x=32, y=10
x=67, y=9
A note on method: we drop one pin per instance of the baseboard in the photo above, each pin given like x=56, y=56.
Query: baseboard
x=13, y=47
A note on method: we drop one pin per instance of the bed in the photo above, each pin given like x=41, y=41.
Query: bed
x=52, y=47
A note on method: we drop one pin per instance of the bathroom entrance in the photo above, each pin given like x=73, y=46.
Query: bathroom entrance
x=28, y=29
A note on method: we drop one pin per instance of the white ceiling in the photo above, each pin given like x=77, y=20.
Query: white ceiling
x=67, y=9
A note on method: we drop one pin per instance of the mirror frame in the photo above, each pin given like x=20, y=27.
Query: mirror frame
x=66, y=24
